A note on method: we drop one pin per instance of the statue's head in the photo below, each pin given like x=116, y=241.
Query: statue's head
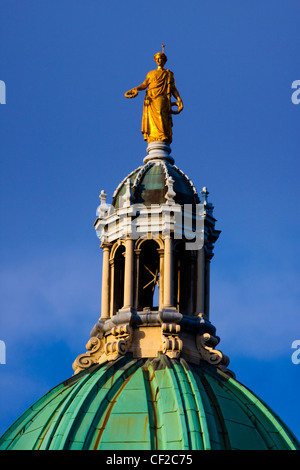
x=160, y=58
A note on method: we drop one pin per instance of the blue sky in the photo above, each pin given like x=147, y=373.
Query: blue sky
x=67, y=132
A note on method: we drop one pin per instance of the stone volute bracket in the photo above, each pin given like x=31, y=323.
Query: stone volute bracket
x=94, y=351
x=206, y=344
x=100, y=350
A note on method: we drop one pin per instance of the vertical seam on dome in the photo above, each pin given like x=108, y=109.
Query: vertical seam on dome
x=152, y=404
x=40, y=409
x=188, y=180
x=175, y=381
x=108, y=411
x=181, y=376
x=258, y=424
x=161, y=413
x=63, y=421
x=141, y=173
x=217, y=411
x=199, y=405
x=57, y=412
x=128, y=371
x=17, y=429
x=156, y=397
x=123, y=181
x=182, y=405
x=263, y=409
x=106, y=374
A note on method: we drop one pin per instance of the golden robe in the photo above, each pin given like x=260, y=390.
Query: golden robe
x=157, y=118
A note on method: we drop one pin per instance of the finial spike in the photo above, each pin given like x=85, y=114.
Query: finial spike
x=163, y=47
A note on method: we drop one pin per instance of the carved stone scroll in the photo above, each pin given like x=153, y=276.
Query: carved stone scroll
x=205, y=344
x=85, y=360
x=171, y=343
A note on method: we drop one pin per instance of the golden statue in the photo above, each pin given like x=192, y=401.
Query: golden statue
x=157, y=112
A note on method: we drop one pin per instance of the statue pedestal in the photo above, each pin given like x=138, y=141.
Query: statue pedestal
x=158, y=151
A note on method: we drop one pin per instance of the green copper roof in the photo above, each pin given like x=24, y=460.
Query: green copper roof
x=149, y=185
x=149, y=404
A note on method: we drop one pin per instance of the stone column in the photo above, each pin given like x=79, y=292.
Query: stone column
x=105, y=281
x=200, y=296
x=128, y=277
x=112, y=285
x=168, y=273
x=137, y=279
x=161, y=277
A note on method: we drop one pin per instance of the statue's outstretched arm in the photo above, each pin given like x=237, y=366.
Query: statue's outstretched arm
x=144, y=85
x=134, y=91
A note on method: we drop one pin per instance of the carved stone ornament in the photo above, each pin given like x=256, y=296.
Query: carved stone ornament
x=205, y=344
x=100, y=349
x=91, y=357
x=171, y=343
x=119, y=346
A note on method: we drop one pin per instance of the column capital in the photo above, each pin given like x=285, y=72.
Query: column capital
x=105, y=245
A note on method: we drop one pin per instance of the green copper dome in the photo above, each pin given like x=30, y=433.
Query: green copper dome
x=151, y=378
x=149, y=185
x=154, y=404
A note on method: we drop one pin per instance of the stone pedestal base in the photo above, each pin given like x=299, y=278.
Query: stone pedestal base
x=158, y=151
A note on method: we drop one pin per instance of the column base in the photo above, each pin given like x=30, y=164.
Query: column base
x=126, y=309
